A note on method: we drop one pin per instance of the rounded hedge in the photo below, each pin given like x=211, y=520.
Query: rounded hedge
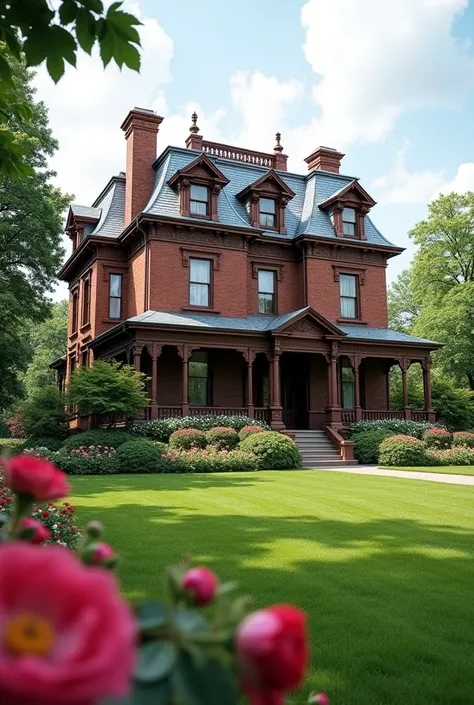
x=44, y=442
x=273, y=450
x=367, y=443
x=139, y=456
x=113, y=439
x=222, y=436
x=437, y=438
x=248, y=431
x=186, y=438
x=463, y=438
x=402, y=451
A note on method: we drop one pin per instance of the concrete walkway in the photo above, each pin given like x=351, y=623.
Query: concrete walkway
x=406, y=474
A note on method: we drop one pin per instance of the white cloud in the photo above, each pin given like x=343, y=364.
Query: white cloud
x=463, y=180
x=87, y=106
x=404, y=186
x=377, y=60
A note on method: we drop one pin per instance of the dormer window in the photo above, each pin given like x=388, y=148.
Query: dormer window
x=349, y=222
x=267, y=212
x=199, y=200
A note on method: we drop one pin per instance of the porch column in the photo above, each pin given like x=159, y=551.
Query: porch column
x=137, y=354
x=404, y=365
x=156, y=352
x=334, y=415
x=249, y=357
x=276, y=420
x=184, y=353
x=356, y=366
x=426, y=365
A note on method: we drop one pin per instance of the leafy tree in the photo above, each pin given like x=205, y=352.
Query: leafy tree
x=403, y=305
x=54, y=35
x=31, y=224
x=110, y=390
x=43, y=415
x=48, y=341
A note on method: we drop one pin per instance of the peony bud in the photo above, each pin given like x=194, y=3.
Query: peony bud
x=100, y=554
x=95, y=529
x=201, y=583
x=272, y=651
x=33, y=531
x=318, y=699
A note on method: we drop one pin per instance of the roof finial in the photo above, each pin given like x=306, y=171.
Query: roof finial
x=194, y=128
x=278, y=147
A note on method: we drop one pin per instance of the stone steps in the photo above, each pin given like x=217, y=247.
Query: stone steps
x=317, y=451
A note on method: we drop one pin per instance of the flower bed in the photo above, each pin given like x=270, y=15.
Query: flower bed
x=161, y=430
x=400, y=426
x=463, y=438
x=437, y=438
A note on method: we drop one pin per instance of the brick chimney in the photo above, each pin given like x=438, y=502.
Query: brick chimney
x=141, y=128
x=324, y=159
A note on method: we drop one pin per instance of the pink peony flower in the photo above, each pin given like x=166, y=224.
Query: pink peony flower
x=318, y=699
x=67, y=636
x=34, y=477
x=41, y=533
x=201, y=583
x=272, y=650
x=102, y=552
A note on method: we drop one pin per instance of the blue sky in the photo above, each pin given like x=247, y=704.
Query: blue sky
x=389, y=84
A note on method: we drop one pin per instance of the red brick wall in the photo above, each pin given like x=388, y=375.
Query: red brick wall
x=374, y=381
x=323, y=291
x=136, y=284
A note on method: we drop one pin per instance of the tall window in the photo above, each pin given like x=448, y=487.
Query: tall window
x=86, y=301
x=199, y=282
x=75, y=303
x=115, y=296
x=199, y=378
x=266, y=291
x=349, y=221
x=347, y=385
x=199, y=200
x=348, y=294
x=267, y=212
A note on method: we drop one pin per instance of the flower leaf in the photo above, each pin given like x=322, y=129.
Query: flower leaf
x=155, y=661
x=209, y=684
x=151, y=615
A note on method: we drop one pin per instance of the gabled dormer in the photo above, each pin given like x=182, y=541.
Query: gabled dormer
x=266, y=200
x=347, y=209
x=198, y=185
x=80, y=222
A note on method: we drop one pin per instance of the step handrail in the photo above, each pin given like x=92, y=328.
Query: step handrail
x=344, y=447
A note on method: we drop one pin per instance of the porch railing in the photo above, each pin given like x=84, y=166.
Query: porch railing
x=169, y=412
x=218, y=410
x=419, y=416
x=261, y=413
x=377, y=415
x=348, y=416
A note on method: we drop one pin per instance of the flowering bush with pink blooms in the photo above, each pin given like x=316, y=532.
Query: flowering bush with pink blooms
x=210, y=459
x=451, y=456
x=437, y=438
x=69, y=638
x=248, y=431
x=87, y=460
x=222, y=436
x=187, y=438
x=463, y=438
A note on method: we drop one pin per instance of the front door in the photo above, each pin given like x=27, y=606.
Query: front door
x=294, y=390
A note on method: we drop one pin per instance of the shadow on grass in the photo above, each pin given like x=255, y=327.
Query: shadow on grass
x=390, y=601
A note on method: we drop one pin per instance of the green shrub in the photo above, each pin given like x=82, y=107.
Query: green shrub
x=462, y=438
x=395, y=426
x=113, y=439
x=187, y=438
x=209, y=459
x=437, y=438
x=222, y=436
x=44, y=442
x=249, y=430
x=87, y=460
x=162, y=447
x=451, y=456
x=139, y=456
x=44, y=414
x=161, y=430
x=366, y=445
x=9, y=446
x=402, y=450
x=274, y=451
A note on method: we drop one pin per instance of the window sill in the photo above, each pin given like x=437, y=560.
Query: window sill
x=73, y=336
x=85, y=327
x=359, y=321
x=112, y=320
x=200, y=309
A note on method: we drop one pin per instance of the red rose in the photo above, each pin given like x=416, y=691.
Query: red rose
x=41, y=533
x=45, y=513
x=201, y=583
x=272, y=650
x=34, y=477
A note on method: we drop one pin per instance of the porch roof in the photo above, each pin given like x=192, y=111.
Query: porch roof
x=263, y=323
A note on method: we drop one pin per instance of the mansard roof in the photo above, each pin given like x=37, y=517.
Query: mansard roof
x=303, y=215
x=202, y=164
x=260, y=184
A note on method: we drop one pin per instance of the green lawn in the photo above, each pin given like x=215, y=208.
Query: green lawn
x=449, y=469
x=383, y=566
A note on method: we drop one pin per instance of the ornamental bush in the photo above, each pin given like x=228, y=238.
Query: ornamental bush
x=437, y=438
x=248, y=431
x=274, y=451
x=402, y=450
x=209, y=459
x=395, y=426
x=222, y=436
x=366, y=445
x=463, y=438
x=187, y=438
x=44, y=414
x=161, y=430
x=87, y=460
x=139, y=456
x=112, y=439
x=451, y=456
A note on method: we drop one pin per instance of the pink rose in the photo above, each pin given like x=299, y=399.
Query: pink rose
x=41, y=533
x=318, y=699
x=201, y=583
x=67, y=636
x=37, y=478
x=272, y=650
x=102, y=552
